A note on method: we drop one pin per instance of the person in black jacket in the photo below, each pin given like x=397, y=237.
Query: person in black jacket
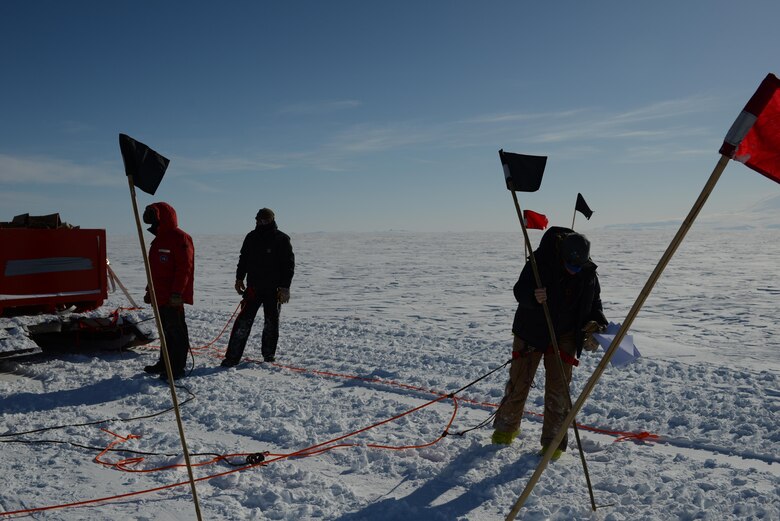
x=570, y=287
x=268, y=262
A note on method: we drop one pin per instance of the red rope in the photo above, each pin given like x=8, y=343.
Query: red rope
x=206, y=346
x=308, y=451
x=125, y=464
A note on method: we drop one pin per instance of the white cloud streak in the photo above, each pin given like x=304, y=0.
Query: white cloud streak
x=17, y=170
x=320, y=107
x=645, y=131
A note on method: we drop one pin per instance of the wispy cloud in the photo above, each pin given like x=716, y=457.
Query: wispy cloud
x=512, y=117
x=75, y=127
x=199, y=186
x=319, y=107
x=20, y=199
x=654, y=121
x=226, y=164
x=642, y=132
x=574, y=128
x=17, y=170
x=668, y=109
x=374, y=138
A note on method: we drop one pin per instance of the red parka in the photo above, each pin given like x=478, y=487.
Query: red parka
x=171, y=257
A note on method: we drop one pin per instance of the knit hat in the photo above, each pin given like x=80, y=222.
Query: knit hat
x=265, y=214
x=575, y=249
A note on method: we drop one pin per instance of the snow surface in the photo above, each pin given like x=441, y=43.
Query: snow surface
x=411, y=312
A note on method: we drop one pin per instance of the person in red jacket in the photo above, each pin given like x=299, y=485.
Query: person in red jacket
x=172, y=263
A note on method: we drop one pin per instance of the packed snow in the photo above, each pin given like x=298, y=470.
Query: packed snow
x=381, y=324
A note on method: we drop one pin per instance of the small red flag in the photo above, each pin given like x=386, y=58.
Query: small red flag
x=754, y=138
x=534, y=221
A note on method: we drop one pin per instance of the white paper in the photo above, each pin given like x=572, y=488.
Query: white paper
x=626, y=351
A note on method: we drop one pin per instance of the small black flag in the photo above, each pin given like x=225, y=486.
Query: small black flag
x=522, y=173
x=583, y=207
x=145, y=165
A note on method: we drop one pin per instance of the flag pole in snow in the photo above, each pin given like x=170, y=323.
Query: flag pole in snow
x=149, y=167
x=754, y=139
x=582, y=207
x=619, y=336
x=521, y=174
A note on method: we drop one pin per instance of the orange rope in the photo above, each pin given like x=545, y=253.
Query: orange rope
x=308, y=451
x=125, y=464
x=621, y=435
x=206, y=346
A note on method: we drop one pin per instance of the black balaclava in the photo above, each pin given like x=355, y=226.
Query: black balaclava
x=268, y=215
x=150, y=217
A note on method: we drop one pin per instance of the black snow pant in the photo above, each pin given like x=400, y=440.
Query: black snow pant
x=177, y=338
x=243, y=325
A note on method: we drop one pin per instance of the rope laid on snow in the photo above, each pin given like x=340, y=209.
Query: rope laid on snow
x=261, y=459
x=96, y=422
x=308, y=451
x=205, y=346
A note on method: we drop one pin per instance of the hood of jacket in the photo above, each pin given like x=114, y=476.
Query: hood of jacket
x=166, y=218
x=549, y=249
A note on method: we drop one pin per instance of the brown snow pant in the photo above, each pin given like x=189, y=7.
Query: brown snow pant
x=525, y=361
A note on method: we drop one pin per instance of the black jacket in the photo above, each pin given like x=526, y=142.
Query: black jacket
x=266, y=259
x=573, y=300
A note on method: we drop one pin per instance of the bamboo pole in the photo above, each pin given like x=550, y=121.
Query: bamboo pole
x=670, y=250
x=164, y=347
x=556, y=353
x=114, y=277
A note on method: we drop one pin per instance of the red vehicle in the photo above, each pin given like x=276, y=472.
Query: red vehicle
x=50, y=267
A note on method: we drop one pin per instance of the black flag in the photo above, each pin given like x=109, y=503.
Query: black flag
x=523, y=173
x=583, y=207
x=145, y=165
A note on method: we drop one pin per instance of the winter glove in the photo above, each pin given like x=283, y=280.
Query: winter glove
x=147, y=298
x=283, y=295
x=590, y=343
x=175, y=300
x=240, y=288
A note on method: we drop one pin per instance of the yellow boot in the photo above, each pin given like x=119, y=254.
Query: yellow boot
x=504, y=438
x=556, y=454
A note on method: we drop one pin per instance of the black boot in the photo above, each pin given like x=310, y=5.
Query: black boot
x=177, y=375
x=157, y=368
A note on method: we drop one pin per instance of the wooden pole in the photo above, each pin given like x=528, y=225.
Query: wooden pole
x=670, y=250
x=556, y=353
x=121, y=286
x=573, y=217
x=164, y=347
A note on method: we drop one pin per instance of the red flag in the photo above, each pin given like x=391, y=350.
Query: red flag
x=754, y=138
x=534, y=221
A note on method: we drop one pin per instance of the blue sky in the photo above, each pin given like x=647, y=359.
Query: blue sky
x=369, y=116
